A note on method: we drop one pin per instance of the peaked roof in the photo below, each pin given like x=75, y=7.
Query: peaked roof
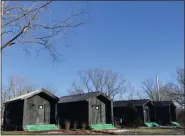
x=81, y=97
x=28, y=95
x=124, y=103
x=163, y=103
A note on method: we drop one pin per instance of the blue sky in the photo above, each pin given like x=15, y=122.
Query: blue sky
x=136, y=39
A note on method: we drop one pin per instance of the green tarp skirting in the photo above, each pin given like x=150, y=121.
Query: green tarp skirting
x=175, y=124
x=102, y=126
x=152, y=124
x=40, y=127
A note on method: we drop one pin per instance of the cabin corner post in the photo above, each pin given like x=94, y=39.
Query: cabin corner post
x=56, y=114
x=25, y=113
x=112, y=116
x=3, y=119
x=155, y=115
x=175, y=114
x=170, y=116
x=143, y=115
x=3, y=114
x=89, y=112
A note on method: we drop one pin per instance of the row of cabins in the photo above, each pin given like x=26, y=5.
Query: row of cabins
x=162, y=112
x=42, y=107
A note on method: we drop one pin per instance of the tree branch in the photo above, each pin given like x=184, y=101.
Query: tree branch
x=10, y=42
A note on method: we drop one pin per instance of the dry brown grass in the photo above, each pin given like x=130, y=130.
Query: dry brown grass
x=135, y=131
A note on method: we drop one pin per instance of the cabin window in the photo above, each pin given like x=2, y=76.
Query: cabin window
x=40, y=107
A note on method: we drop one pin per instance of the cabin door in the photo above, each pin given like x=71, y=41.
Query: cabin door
x=40, y=115
x=146, y=114
x=96, y=114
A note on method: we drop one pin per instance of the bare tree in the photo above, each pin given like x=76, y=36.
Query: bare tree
x=23, y=25
x=133, y=92
x=180, y=76
x=169, y=91
x=140, y=95
x=178, y=95
x=75, y=89
x=107, y=81
x=16, y=86
x=150, y=88
x=51, y=88
x=177, y=92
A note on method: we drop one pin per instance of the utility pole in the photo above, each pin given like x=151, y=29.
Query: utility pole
x=157, y=82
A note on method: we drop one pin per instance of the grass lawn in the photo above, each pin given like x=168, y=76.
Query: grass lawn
x=18, y=133
x=131, y=131
x=54, y=132
x=156, y=131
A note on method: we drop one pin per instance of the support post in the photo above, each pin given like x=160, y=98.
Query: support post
x=25, y=115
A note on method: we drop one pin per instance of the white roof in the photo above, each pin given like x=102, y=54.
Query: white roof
x=28, y=95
